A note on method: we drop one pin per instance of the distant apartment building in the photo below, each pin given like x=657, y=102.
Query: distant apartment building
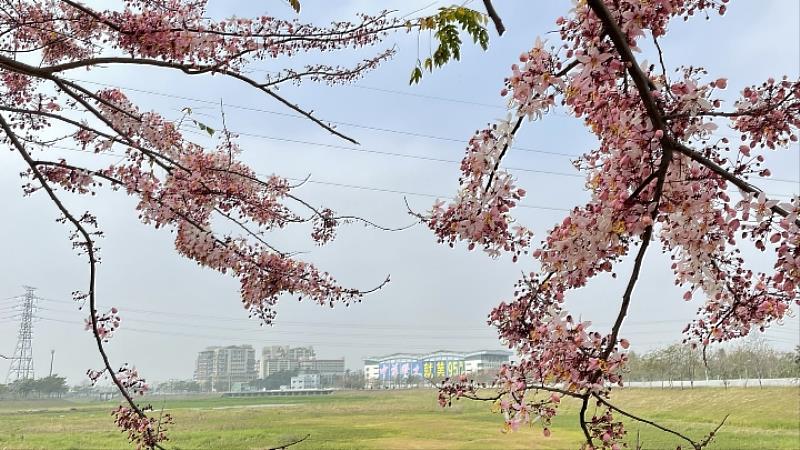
x=305, y=381
x=279, y=358
x=325, y=367
x=301, y=353
x=225, y=369
x=204, y=368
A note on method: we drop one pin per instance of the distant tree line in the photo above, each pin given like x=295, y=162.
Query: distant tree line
x=52, y=386
x=754, y=360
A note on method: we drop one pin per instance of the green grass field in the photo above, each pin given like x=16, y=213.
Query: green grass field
x=759, y=419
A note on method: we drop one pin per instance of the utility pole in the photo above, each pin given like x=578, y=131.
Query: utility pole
x=21, y=367
x=52, y=355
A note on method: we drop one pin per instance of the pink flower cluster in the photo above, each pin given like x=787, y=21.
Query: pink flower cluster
x=739, y=299
x=183, y=186
x=607, y=431
x=480, y=214
x=145, y=432
x=533, y=86
x=131, y=381
x=556, y=348
x=107, y=323
x=177, y=31
x=770, y=113
x=127, y=376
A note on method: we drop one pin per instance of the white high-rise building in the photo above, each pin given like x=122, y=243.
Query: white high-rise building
x=225, y=369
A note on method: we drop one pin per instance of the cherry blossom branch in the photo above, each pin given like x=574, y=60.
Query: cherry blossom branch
x=507, y=145
x=330, y=73
x=315, y=211
x=747, y=112
x=96, y=16
x=256, y=34
x=189, y=70
x=642, y=186
x=713, y=433
x=733, y=179
x=90, y=252
x=535, y=387
x=569, y=66
x=643, y=84
x=219, y=241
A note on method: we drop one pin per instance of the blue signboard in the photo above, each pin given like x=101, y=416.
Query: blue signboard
x=395, y=371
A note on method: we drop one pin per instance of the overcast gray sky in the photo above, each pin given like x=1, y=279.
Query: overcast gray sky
x=439, y=297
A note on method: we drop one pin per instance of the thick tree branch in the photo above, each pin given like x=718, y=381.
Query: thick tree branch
x=47, y=72
x=727, y=176
x=642, y=82
x=496, y=20
x=582, y=420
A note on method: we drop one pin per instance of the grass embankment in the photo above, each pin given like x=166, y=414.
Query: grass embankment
x=759, y=419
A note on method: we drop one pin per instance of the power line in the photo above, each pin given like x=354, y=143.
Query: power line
x=303, y=323
x=357, y=326
x=355, y=331
x=342, y=185
x=350, y=186
x=428, y=97
x=393, y=154
x=350, y=124
x=327, y=342
x=298, y=116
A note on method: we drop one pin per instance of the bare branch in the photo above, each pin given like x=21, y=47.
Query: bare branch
x=498, y=23
x=289, y=444
x=643, y=420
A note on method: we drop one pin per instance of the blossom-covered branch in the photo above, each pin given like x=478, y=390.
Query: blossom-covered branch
x=179, y=184
x=654, y=176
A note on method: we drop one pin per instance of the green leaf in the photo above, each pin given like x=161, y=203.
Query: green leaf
x=447, y=26
x=416, y=75
x=204, y=127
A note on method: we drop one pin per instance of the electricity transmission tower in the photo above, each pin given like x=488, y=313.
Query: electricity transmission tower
x=22, y=362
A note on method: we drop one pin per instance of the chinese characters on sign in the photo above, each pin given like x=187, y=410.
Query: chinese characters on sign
x=399, y=371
